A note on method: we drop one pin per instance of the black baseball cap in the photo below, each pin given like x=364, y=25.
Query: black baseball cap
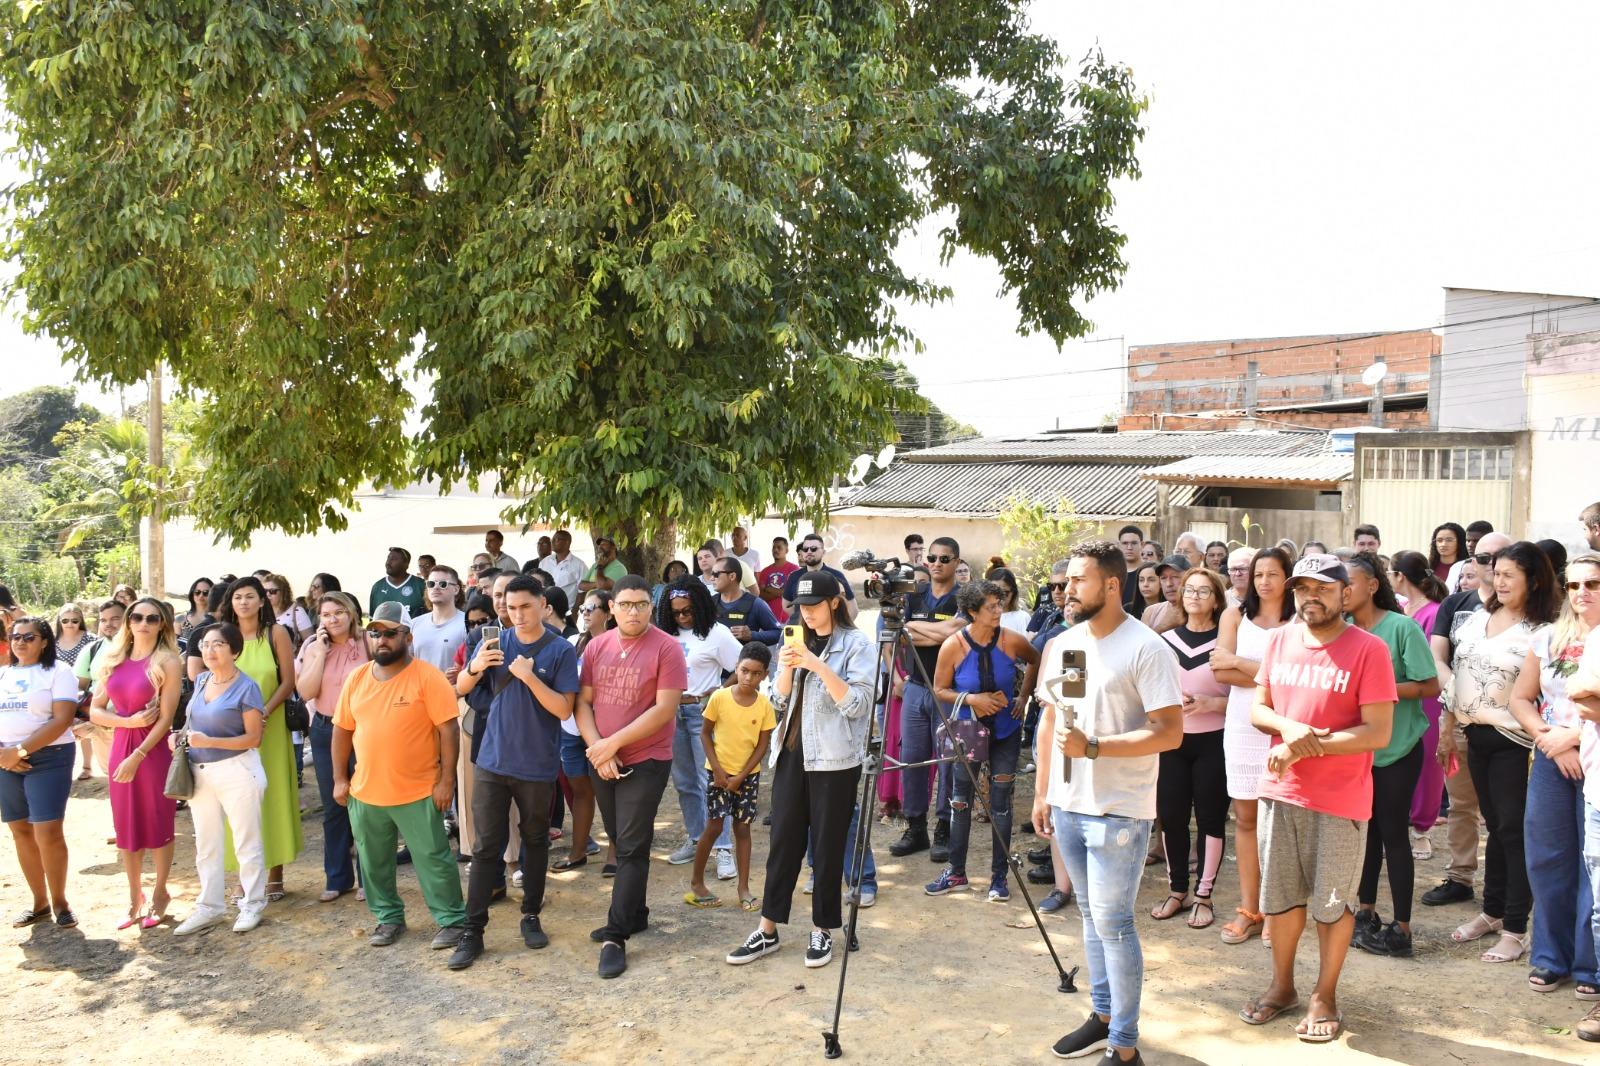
x=816, y=587
x=1176, y=561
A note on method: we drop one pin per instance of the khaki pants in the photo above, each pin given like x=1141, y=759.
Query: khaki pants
x=464, y=772
x=1461, y=825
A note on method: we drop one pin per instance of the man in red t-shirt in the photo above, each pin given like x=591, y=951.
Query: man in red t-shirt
x=1326, y=690
x=772, y=579
x=632, y=680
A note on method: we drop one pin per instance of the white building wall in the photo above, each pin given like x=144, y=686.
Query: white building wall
x=1481, y=383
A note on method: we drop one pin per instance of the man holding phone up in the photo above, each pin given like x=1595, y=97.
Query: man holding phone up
x=533, y=674
x=1129, y=712
x=633, y=678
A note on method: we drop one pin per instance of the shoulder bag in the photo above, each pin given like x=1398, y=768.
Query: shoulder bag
x=964, y=735
x=180, y=775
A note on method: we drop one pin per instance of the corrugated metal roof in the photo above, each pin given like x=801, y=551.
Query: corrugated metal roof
x=1101, y=490
x=1146, y=445
x=1203, y=469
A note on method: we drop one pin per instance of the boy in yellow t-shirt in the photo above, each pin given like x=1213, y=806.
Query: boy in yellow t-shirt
x=738, y=725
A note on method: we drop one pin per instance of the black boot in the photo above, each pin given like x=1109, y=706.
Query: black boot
x=940, y=852
x=915, y=838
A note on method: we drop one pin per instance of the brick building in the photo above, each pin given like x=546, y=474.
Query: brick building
x=1279, y=382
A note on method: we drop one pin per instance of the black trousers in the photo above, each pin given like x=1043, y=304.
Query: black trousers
x=817, y=805
x=491, y=822
x=1388, y=838
x=1499, y=768
x=1193, y=776
x=628, y=811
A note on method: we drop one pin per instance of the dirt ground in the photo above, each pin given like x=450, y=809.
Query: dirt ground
x=936, y=980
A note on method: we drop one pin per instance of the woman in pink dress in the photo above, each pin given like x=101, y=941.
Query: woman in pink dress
x=1412, y=578
x=137, y=697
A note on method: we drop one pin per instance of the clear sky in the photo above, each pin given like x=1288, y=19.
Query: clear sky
x=1308, y=168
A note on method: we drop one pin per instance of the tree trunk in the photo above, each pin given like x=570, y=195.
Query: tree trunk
x=647, y=558
x=156, y=578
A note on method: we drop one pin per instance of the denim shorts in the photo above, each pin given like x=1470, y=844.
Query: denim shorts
x=574, y=761
x=40, y=795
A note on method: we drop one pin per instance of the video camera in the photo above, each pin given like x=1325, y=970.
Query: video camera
x=889, y=581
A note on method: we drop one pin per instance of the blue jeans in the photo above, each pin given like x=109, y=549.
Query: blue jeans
x=1591, y=862
x=1003, y=756
x=919, y=720
x=1553, y=839
x=689, y=776
x=339, y=871
x=869, y=876
x=1104, y=855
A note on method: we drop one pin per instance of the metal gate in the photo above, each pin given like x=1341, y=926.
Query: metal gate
x=1407, y=492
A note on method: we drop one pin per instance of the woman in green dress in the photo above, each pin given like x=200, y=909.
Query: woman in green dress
x=268, y=660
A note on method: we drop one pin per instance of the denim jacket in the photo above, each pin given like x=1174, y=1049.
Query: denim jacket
x=833, y=734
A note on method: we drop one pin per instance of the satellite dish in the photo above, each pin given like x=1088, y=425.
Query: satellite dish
x=859, y=468
x=886, y=455
x=1374, y=374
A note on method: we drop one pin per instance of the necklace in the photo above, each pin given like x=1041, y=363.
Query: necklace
x=224, y=681
x=625, y=646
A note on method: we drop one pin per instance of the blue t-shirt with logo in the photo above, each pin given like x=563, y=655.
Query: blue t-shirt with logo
x=520, y=738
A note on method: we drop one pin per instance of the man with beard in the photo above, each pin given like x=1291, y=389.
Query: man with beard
x=398, y=715
x=1326, y=690
x=1130, y=712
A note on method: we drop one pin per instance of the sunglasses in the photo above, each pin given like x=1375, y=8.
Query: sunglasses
x=726, y=573
x=1483, y=559
x=1058, y=586
x=153, y=619
x=378, y=633
x=1589, y=585
x=438, y=584
x=25, y=638
x=589, y=610
x=72, y=621
x=941, y=558
x=680, y=611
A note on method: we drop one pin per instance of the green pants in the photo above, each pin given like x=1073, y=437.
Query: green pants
x=377, y=831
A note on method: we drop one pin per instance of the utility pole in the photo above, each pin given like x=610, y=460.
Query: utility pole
x=155, y=578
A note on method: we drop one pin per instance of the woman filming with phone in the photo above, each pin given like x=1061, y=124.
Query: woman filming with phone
x=823, y=698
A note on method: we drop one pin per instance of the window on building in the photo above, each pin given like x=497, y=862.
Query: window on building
x=1436, y=464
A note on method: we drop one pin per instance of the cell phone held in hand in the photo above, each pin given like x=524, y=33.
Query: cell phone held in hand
x=1065, y=688
x=491, y=637
x=793, y=636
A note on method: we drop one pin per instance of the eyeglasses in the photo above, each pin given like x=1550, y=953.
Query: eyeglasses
x=631, y=606
x=25, y=638
x=1238, y=569
x=206, y=645
x=1199, y=592
x=1058, y=586
x=1589, y=585
x=941, y=558
x=438, y=584
x=152, y=619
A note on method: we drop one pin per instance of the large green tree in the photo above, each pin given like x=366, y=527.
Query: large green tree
x=643, y=251
x=29, y=422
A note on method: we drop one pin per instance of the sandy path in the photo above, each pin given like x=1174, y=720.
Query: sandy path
x=937, y=980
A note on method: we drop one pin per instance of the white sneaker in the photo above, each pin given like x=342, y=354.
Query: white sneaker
x=727, y=870
x=684, y=854
x=247, y=921
x=811, y=884
x=516, y=879
x=197, y=922
x=869, y=896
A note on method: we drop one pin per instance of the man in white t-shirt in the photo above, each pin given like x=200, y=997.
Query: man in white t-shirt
x=435, y=636
x=564, y=568
x=1126, y=710
x=742, y=550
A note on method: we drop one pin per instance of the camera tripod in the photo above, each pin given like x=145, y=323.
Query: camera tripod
x=891, y=641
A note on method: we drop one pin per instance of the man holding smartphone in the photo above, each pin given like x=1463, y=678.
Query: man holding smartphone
x=633, y=678
x=533, y=675
x=1131, y=710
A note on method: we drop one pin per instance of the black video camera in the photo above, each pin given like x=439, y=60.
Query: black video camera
x=888, y=581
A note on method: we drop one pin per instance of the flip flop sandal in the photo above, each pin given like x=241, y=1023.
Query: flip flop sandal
x=1258, y=1013
x=703, y=902
x=569, y=864
x=1321, y=1038
x=750, y=903
x=27, y=918
x=1164, y=910
x=1211, y=914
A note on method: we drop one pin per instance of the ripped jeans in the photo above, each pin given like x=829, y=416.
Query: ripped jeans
x=1003, y=755
x=1104, y=855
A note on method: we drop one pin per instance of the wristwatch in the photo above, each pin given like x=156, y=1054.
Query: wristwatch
x=22, y=752
x=1092, y=748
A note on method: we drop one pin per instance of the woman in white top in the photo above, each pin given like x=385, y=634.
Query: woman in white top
x=687, y=612
x=38, y=696
x=1012, y=616
x=1241, y=642
x=1563, y=941
x=1491, y=649
x=287, y=613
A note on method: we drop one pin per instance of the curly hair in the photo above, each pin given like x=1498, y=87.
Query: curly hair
x=705, y=611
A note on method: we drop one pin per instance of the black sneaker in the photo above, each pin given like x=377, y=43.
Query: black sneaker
x=448, y=937
x=1039, y=855
x=1367, y=931
x=468, y=948
x=599, y=935
x=819, y=951
x=533, y=934
x=613, y=959
x=1041, y=875
x=1447, y=891
x=1394, y=941
x=1111, y=1058
x=915, y=839
x=940, y=851
x=755, y=946
x=1086, y=1039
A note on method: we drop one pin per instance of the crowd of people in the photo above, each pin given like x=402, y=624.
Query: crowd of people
x=1337, y=705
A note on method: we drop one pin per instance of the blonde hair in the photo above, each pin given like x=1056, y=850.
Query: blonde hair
x=284, y=589
x=166, y=646
x=1565, y=630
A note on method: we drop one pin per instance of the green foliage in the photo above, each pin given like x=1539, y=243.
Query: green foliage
x=1249, y=528
x=1037, y=536
x=642, y=250
x=29, y=422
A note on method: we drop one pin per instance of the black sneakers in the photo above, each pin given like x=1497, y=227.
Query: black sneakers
x=1086, y=1039
x=757, y=945
x=1447, y=891
x=468, y=948
x=613, y=959
x=915, y=839
x=940, y=851
x=1389, y=940
x=1368, y=926
x=819, y=952
x=533, y=933
x=599, y=935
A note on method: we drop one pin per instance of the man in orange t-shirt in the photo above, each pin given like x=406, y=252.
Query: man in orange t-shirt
x=398, y=715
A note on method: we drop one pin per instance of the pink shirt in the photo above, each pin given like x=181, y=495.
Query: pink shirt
x=338, y=663
x=1324, y=686
x=625, y=676
x=1194, y=670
